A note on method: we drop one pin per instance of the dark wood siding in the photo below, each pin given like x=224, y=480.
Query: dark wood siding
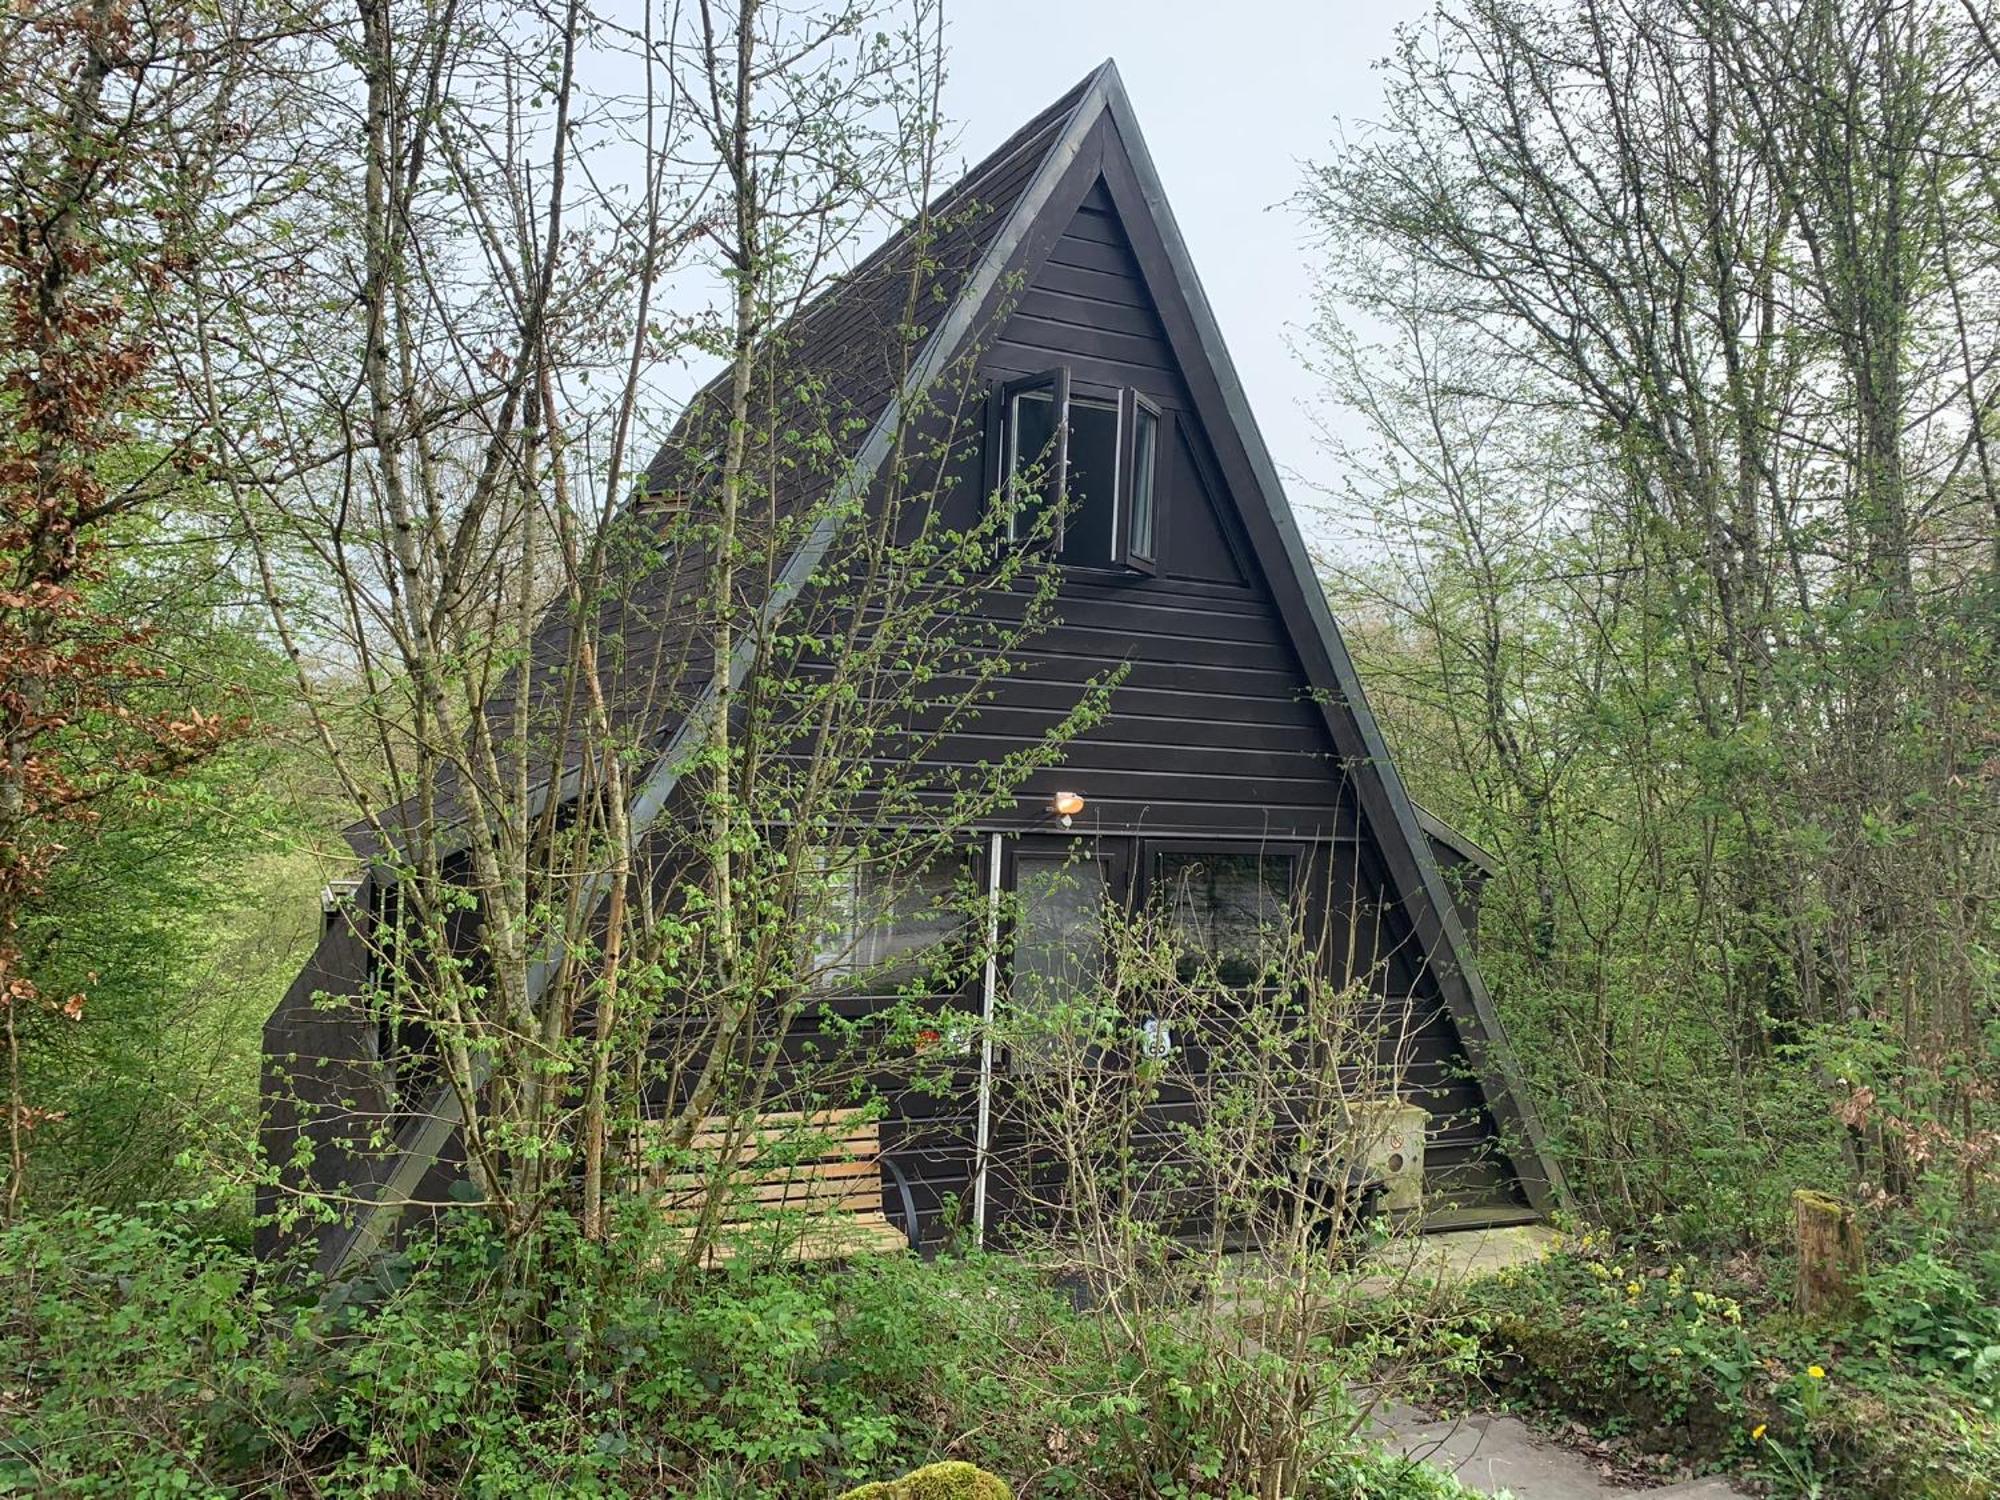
x=1211, y=728
x=322, y=1080
x=1214, y=730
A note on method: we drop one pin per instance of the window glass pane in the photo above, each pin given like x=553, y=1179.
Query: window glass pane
x=908, y=916
x=1145, y=448
x=878, y=926
x=1093, y=483
x=1059, y=942
x=826, y=905
x=1226, y=910
x=1031, y=458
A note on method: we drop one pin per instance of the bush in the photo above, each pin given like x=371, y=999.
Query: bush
x=1632, y=1348
x=1934, y=1318
x=138, y=1357
x=135, y=1358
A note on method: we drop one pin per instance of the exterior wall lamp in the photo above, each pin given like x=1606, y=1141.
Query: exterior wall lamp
x=1066, y=805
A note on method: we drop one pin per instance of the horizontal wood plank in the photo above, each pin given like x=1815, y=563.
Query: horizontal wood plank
x=855, y=1235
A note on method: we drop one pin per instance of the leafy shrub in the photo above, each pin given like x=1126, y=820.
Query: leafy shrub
x=1933, y=1317
x=135, y=1358
x=1627, y=1346
x=140, y=1358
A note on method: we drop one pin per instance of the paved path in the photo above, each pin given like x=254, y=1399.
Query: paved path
x=1494, y=1453
x=1491, y=1453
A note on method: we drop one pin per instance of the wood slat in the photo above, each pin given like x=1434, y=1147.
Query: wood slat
x=851, y=1236
x=694, y=1182
x=810, y=1145
x=1094, y=255
x=1098, y=224
x=770, y=1201
x=1141, y=351
x=838, y=1124
x=1055, y=306
x=1102, y=286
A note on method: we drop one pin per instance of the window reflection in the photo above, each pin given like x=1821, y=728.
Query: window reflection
x=1227, y=912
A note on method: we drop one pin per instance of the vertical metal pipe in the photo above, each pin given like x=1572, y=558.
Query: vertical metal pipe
x=989, y=986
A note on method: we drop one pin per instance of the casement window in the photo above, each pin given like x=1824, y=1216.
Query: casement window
x=879, y=925
x=1140, y=425
x=1078, y=471
x=1228, y=912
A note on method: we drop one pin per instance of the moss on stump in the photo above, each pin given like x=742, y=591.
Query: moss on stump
x=949, y=1481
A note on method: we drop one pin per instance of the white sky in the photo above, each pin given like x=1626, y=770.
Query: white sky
x=1233, y=99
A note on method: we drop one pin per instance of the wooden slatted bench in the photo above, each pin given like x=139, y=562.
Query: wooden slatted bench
x=804, y=1188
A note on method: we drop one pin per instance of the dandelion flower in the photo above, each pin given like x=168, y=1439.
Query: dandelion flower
x=1757, y=1433
x=1814, y=1372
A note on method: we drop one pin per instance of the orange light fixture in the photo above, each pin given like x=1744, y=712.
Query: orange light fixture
x=1066, y=805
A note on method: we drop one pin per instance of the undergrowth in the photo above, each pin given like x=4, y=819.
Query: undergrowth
x=1897, y=1400
x=139, y=1358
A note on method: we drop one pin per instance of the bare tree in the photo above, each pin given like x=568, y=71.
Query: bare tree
x=607, y=733
x=1692, y=413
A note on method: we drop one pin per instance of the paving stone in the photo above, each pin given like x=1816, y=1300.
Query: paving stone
x=1389, y=1418
x=1712, y=1488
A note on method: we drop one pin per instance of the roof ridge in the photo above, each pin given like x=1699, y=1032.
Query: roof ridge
x=1042, y=131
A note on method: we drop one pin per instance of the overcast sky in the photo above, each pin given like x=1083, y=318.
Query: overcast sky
x=1233, y=98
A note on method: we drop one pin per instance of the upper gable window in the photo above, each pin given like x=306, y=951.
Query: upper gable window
x=1079, y=471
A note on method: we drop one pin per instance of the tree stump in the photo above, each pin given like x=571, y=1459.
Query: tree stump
x=1831, y=1259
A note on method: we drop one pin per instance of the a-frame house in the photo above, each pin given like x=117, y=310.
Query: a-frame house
x=1239, y=728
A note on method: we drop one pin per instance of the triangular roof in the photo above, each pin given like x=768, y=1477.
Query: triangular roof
x=1004, y=216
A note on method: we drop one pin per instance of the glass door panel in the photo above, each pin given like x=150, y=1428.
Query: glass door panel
x=1058, y=947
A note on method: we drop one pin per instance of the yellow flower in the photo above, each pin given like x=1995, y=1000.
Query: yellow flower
x=1757, y=1433
x=1814, y=1372
x=1631, y=1288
